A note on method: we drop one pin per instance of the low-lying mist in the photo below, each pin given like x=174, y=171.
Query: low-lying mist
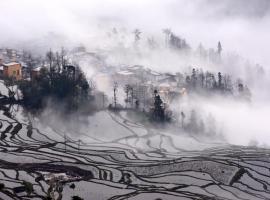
x=240, y=123
x=107, y=29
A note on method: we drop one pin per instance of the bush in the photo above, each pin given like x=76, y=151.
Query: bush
x=65, y=86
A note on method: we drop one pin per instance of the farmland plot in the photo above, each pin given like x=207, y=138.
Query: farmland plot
x=116, y=158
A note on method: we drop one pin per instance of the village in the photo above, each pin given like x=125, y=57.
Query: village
x=134, y=87
x=140, y=81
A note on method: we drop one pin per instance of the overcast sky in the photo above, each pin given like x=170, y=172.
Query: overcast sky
x=241, y=25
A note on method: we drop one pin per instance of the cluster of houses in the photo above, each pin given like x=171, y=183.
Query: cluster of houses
x=143, y=80
x=9, y=67
x=12, y=65
x=146, y=80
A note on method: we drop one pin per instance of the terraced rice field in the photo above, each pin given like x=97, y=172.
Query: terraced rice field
x=121, y=159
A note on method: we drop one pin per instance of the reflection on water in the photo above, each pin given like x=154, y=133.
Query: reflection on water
x=111, y=156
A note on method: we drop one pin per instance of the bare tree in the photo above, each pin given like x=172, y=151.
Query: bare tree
x=127, y=89
x=63, y=55
x=137, y=34
x=167, y=33
x=30, y=64
x=50, y=58
x=58, y=61
x=115, y=88
x=183, y=116
x=219, y=48
x=132, y=95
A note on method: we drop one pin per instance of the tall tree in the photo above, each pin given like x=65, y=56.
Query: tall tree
x=137, y=35
x=30, y=64
x=219, y=48
x=220, y=85
x=178, y=43
x=63, y=57
x=201, y=51
x=115, y=87
x=227, y=83
x=127, y=89
x=201, y=78
x=158, y=112
x=167, y=33
x=58, y=62
x=194, y=78
x=50, y=59
x=132, y=96
x=183, y=116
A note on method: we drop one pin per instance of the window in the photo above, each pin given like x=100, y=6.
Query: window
x=18, y=72
x=14, y=72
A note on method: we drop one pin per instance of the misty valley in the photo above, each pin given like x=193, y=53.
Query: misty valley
x=64, y=138
x=112, y=100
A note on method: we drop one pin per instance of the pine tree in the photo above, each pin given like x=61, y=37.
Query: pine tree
x=127, y=89
x=167, y=33
x=219, y=48
x=115, y=87
x=158, y=112
x=137, y=36
x=220, y=86
x=183, y=116
x=194, y=78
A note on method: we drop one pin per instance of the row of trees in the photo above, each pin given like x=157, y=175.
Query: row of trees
x=160, y=112
x=137, y=95
x=175, y=42
x=197, y=125
x=199, y=80
x=57, y=81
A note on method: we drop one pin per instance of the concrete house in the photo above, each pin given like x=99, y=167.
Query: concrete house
x=12, y=69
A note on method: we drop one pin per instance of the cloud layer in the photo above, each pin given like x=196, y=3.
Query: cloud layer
x=242, y=25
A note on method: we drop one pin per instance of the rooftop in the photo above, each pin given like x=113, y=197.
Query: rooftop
x=37, y=69
x=136, y=67
x=125, y=73
x=11, y=63
x=155, y=73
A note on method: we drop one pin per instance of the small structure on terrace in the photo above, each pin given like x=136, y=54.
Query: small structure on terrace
x=12, y=70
